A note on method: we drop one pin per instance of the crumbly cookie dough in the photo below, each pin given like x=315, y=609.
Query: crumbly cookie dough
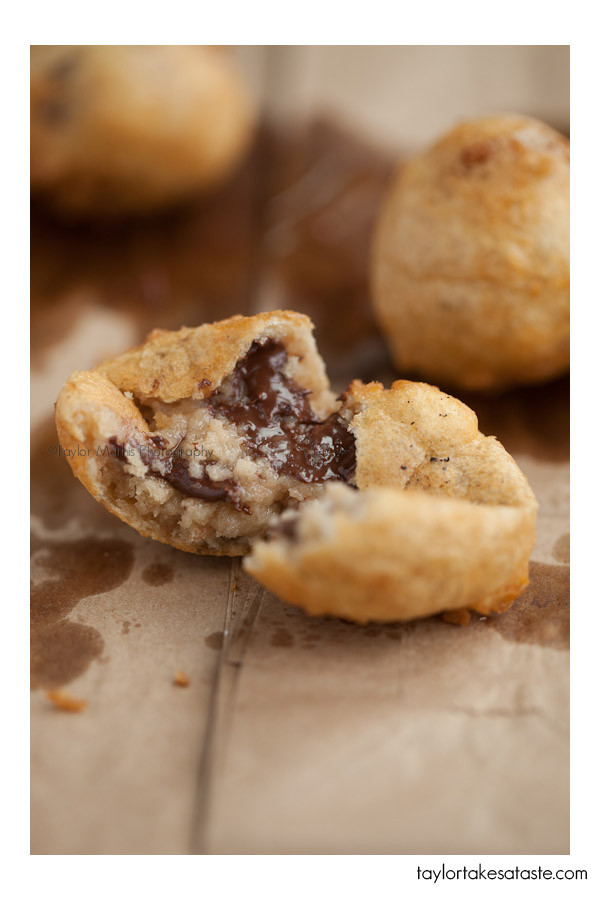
x=127, y=129
x=470, y=261
x=198, y=437
x=443, y=519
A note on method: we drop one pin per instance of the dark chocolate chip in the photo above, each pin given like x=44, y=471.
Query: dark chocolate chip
x=274, y=416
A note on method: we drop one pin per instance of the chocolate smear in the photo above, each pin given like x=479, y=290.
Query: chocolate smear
x=274, y=416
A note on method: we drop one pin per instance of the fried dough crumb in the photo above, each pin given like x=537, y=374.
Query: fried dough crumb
x=457, y=617
x=181, y=679
x=66, y=701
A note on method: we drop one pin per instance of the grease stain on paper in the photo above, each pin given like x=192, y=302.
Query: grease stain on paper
x=214, y=640
x=541, y=614
x=157, y=574
x=62, y=650
x=282, y=638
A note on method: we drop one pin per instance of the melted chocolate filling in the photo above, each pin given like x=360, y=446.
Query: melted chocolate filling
x=272, y=413
x=175, y=470
x=276, y=422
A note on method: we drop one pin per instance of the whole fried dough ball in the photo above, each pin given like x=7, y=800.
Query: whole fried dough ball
x=127, y=129
x=470, y=264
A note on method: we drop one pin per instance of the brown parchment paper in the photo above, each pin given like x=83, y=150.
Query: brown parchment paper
x=293, y=735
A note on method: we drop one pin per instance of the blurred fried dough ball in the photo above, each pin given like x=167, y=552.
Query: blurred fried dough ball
x=127, y=129
x=470, y=264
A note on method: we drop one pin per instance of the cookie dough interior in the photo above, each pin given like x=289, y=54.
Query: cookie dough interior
x=211, y=472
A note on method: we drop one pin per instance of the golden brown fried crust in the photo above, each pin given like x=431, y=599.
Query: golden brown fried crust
x=192, y=362
x=389, y=555
x=444, y=518
x=470, y=262
x=126, y=129
x=416, y=436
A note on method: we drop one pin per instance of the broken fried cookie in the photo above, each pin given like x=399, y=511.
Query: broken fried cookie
x=387, y=504
x=443, y=519
x=198, y=437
